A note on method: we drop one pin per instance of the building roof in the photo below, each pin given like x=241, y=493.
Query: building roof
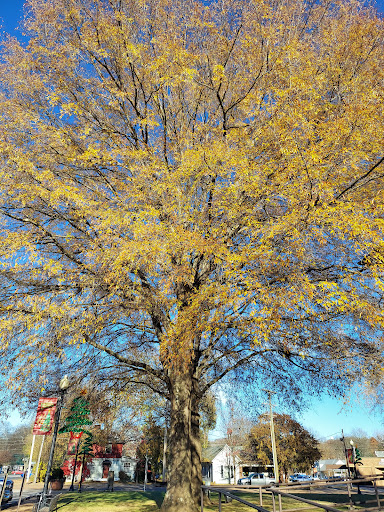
x=328, y=464
x=211, y=451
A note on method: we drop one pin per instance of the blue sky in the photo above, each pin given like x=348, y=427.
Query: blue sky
x=10, y=14
x=325, y=418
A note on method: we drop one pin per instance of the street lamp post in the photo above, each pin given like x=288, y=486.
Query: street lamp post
x=64, y=384
x=353, y=457
x=354, y=463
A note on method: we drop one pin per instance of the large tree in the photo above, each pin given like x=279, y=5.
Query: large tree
x=296, y=448
x=191, y=190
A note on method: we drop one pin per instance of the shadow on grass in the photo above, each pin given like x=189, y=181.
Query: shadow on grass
x=339, y=498
x=158, y=496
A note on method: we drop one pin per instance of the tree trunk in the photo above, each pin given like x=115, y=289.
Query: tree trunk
x=181, y=493
x=197, y=479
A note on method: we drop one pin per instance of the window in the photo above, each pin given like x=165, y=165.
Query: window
x=222, y=471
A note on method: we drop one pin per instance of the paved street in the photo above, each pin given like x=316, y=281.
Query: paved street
x=29, y=490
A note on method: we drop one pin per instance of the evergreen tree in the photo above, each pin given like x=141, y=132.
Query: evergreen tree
x=87, y=444
x=78, y=417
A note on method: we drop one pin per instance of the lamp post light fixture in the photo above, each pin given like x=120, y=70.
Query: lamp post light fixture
x=353, y=457
x=353, y=451
x=64, y=385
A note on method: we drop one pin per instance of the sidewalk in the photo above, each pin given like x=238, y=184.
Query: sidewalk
x=29, y=494
x=38, y=486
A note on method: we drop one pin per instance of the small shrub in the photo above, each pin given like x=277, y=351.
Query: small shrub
x=123, y=477
x=41, y=472
x=57, y=474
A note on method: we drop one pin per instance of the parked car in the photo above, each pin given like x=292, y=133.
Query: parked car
x=17, y=472
x=8, y=493
x=262, y=479
x=256, y=479
x=300, y=477
x=246, y=480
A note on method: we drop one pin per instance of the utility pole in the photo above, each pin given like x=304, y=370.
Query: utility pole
x=342, y=439
x=231, y=458
x=273, y=439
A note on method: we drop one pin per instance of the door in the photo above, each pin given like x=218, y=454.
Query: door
x=106, y=466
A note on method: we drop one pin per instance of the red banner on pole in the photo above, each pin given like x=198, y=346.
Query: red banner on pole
x=73, y=442
x=44, y=416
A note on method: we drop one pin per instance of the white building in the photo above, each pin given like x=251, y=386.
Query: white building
x=99, y=467
x=220, y=464
x=328, y=468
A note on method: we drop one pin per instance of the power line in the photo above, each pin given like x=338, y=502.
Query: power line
x=330, y=436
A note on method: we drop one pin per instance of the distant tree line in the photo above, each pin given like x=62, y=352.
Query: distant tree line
x=333, y=448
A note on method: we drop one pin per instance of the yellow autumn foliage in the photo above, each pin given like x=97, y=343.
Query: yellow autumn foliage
x=191, y=191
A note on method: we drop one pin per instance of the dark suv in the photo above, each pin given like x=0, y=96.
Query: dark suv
x=8, y=492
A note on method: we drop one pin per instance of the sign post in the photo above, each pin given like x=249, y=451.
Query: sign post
x=30, y=458
x=38, y=460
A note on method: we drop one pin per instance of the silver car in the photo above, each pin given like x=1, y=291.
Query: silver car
x=246, y=480
x=262, y=479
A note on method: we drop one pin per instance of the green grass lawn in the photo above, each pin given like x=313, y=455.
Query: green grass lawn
x=132, y=501
x=119, y=501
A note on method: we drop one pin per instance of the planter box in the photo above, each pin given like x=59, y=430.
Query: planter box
x=57, y=485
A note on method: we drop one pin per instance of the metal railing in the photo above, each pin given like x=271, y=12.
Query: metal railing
x=284, y=491
x=227, y=494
